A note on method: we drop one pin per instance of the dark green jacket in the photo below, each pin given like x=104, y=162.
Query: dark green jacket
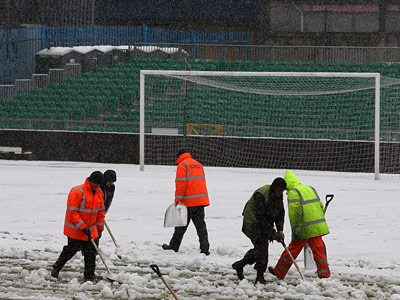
x=261, y=212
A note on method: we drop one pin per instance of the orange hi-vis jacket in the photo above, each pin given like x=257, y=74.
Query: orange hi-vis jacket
x=190, y=182
x=84, y=210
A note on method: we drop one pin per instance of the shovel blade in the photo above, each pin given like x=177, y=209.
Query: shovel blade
x=112, y=277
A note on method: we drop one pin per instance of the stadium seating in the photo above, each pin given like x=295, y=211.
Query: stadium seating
x=107, y=100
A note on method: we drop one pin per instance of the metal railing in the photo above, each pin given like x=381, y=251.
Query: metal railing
x=19, y=46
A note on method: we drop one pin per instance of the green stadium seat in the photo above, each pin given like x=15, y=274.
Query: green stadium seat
x=236, y=65
x=41, y=125
x=94, y=127
x=59, y=125
x=78, y=114
x=210, y=67
x=112, y=103
x=94, y=109
x=225, y=65
x=197, y=67
x=111, y=88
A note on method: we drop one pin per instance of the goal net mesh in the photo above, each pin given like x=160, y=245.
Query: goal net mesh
x=321, y=123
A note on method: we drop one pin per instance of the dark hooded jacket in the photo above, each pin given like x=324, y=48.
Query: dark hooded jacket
x=262, y=213
x=109, y=175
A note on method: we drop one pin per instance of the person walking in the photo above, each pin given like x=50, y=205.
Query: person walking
x=308, y=224
x=262, y=212
x=108, y=188
x=84, y=220
x=191, y=190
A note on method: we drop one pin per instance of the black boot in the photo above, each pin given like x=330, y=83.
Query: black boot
x=238, y=266
x=260, y=277
x=55, y=271
x=168, y=247
x=91, y=277
x=272, y=271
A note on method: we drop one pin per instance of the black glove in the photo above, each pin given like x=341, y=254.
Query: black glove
x=87, y=232
x=100, y=232
x=277, y=237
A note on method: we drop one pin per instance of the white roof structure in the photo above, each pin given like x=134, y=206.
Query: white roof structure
x=60, y=51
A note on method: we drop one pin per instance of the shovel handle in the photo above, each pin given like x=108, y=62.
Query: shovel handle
x=155, y=268
x=291, y=257
x=293, y=260
x=328, y=198
x=170, y=290
x=101, y=255
x=112, y=236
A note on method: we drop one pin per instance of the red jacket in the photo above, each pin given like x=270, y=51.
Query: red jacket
x=190, y=182
x=84, y=210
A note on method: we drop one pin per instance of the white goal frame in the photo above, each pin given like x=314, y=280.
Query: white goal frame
x=376, y=76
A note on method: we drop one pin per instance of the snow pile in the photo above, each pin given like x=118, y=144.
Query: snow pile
x=364, y=220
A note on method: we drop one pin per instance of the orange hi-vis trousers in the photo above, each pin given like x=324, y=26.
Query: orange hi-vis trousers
x=318, y=249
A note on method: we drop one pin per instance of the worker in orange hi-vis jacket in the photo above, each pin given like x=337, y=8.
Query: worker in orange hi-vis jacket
x=84, y=220
x=191, y=190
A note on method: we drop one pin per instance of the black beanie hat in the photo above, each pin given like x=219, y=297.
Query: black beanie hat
x=96, y=177
x=279, y=183
x=181, y=151
x=110, y=175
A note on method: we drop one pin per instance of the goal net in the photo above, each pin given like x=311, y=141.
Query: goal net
x=313, y=121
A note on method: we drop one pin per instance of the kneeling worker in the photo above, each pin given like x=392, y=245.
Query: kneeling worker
x=263, y=211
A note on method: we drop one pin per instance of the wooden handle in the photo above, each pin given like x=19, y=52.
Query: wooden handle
x=99, y=253
x=157, y=270
x=172, y=292
x=294, y=261
x=112, y=236
x=291, y=257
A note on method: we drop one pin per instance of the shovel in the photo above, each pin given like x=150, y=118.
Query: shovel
x=112, y=237
x=328, y=198
x=157, y=270
x=307, y=250
x=110, y=276
x=292, y=259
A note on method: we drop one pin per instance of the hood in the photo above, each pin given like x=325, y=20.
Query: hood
x=110, y=175
x=278, y=183
x=182, y=157
x=291, y=180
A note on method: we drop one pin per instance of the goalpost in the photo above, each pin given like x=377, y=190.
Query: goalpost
x=298, y=120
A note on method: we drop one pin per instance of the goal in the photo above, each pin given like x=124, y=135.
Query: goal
x=346, y=122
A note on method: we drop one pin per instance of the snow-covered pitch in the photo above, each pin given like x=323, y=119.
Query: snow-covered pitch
x=363, y=247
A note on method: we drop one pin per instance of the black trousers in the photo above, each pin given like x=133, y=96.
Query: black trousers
x=197, y=215
x=258, y=254
x=69, y=251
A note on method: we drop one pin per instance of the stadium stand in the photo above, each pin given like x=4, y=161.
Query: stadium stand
x=107, y=101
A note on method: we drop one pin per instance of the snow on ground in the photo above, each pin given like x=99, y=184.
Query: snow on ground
x=364, y=219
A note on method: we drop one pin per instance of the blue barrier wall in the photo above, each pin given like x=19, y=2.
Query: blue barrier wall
x=17, y=53
x=18, y=46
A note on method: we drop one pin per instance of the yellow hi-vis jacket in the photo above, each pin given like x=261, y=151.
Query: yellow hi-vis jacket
x=306, y=213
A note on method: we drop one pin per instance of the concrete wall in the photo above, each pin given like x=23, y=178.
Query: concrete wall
x=288, y=18
x=124, y=148
x=74, y=146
